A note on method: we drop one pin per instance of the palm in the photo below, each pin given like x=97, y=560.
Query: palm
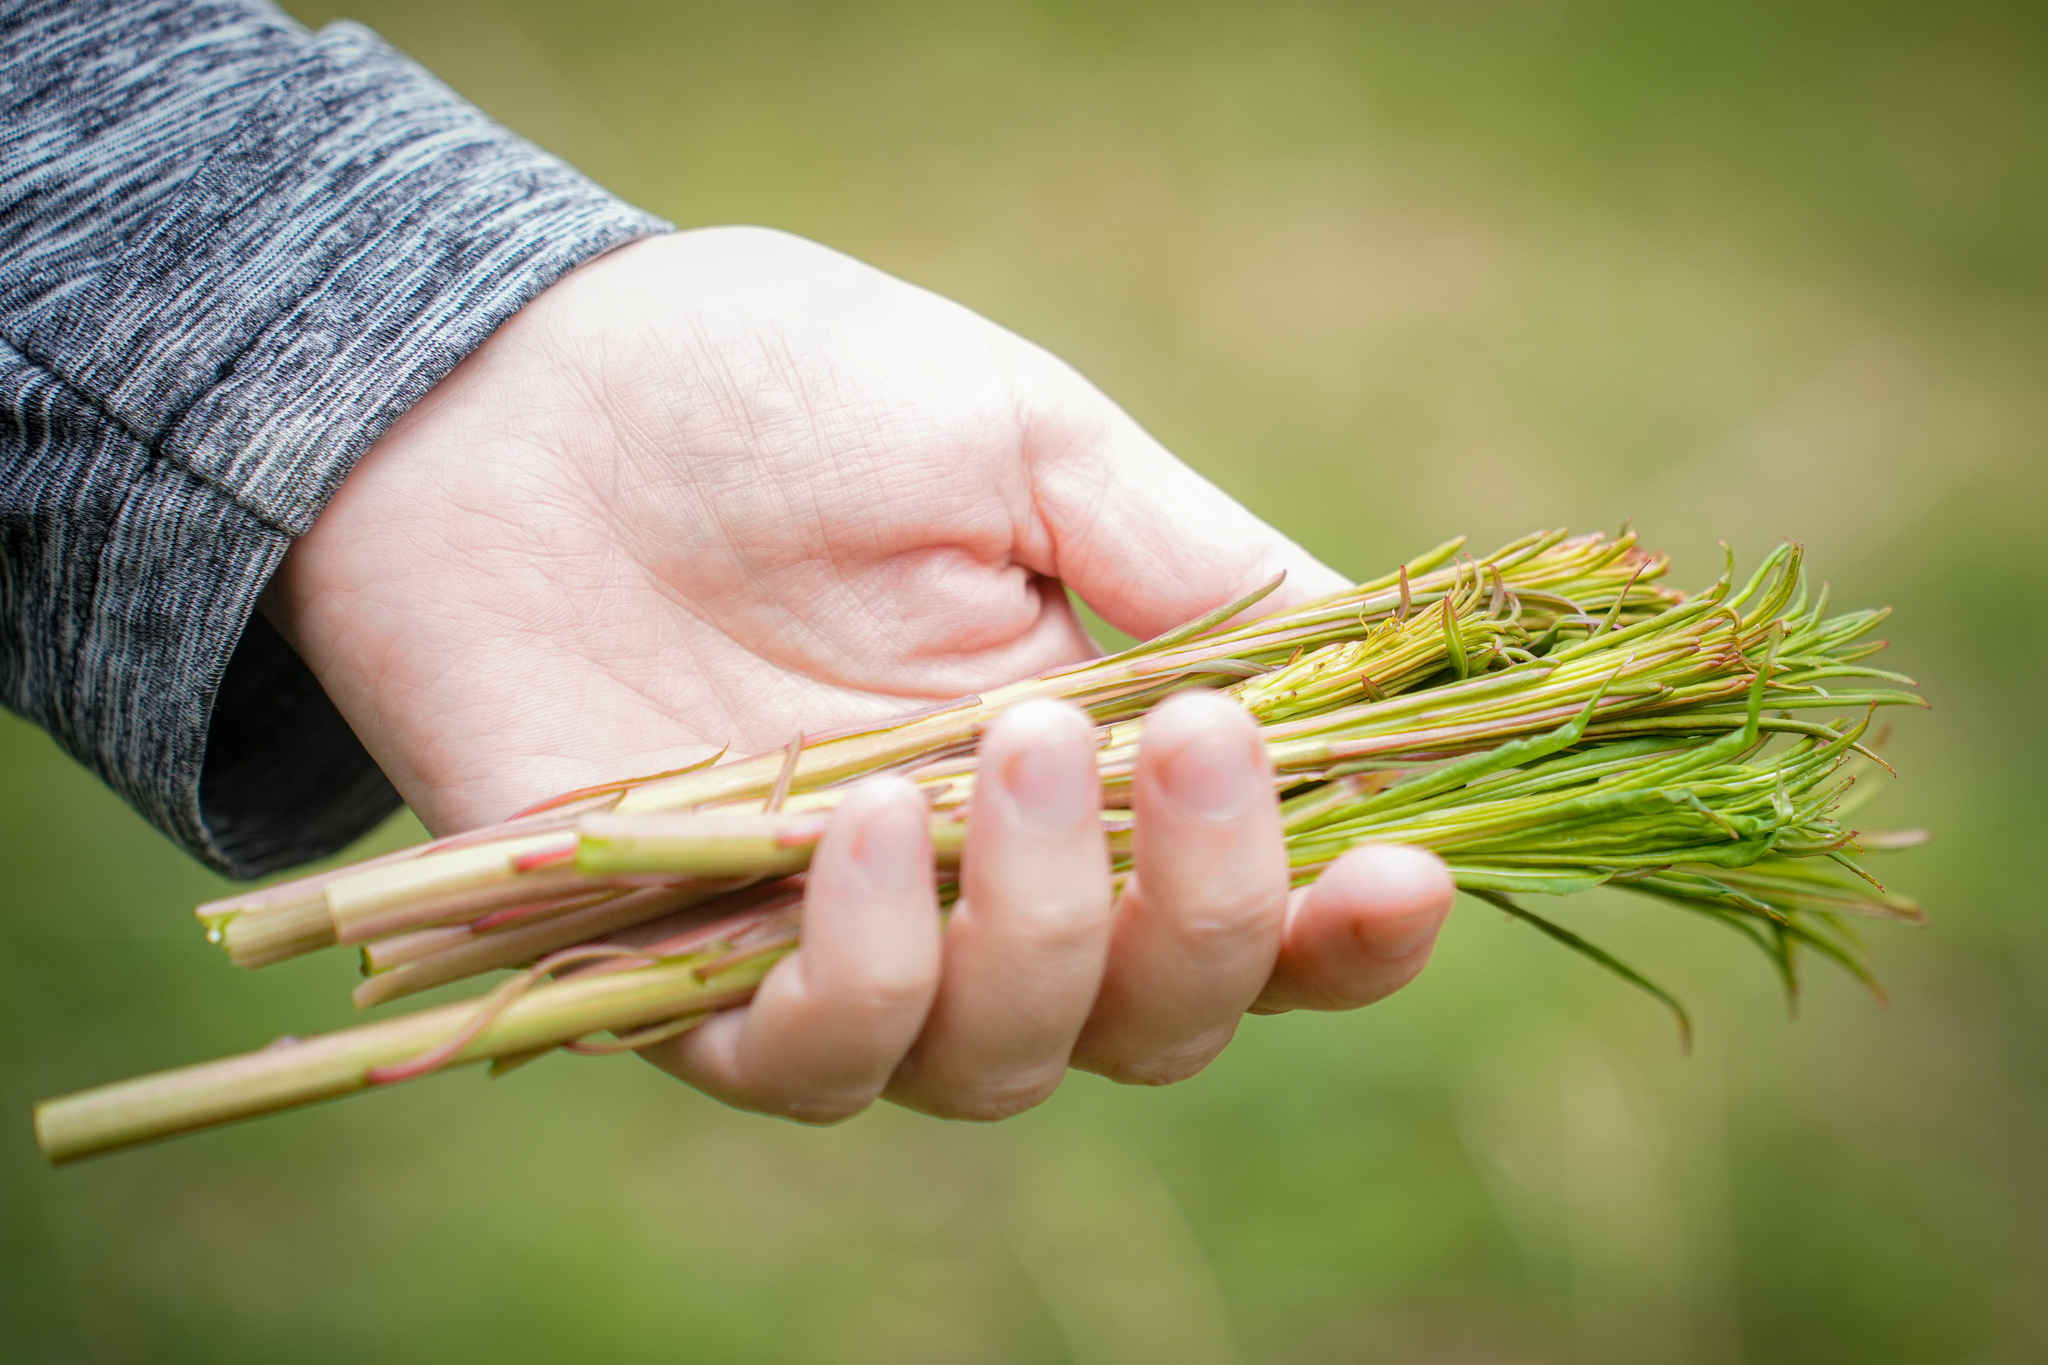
x=721, y=488
x=724, y=487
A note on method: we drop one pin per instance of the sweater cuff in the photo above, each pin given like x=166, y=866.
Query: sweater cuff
x=357, y=233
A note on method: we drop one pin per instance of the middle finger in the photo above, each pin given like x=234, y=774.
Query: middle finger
x=1199, y=927
x=1025, y=946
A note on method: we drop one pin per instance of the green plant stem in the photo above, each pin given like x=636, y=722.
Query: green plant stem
x=309, y=1070
x=1546, y=717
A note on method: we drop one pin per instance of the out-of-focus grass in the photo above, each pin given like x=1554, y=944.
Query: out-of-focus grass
x=1387, y=272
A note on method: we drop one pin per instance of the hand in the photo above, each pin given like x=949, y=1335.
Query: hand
x=724, y=486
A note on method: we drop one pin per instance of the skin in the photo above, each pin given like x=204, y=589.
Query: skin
x=725, y=486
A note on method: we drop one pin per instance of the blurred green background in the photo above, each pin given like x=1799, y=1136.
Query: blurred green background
x=1388, y=272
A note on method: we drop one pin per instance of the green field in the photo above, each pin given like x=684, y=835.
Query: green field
x=1389, y=272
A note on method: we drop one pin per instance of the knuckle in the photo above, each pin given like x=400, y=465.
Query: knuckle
x=991, y=1107
x=863, y=998
x=992, y=1101
x=882, y=996
x=1168, y=1066
x=823, y=1109
x=1064, y=925
x=1224, y=926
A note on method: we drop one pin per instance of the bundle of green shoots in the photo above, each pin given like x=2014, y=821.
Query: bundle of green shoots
x=1549, y=718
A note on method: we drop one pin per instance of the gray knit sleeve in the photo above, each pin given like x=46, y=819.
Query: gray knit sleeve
x=232, y=252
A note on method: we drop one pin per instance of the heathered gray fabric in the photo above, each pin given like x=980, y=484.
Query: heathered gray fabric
x=232, y=252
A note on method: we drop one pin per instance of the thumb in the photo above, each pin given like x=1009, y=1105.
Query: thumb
x=1145, y=540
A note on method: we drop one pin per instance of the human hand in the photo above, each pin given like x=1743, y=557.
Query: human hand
x=725, y=486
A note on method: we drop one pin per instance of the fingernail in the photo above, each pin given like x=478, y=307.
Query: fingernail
x=890, y=851
x=1049, y=788
x=1210, y=777
x=1395, y=939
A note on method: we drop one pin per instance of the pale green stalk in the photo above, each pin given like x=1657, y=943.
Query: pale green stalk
x=1547, y=718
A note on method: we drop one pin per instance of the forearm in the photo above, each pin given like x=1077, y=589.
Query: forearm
x=232, y=252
